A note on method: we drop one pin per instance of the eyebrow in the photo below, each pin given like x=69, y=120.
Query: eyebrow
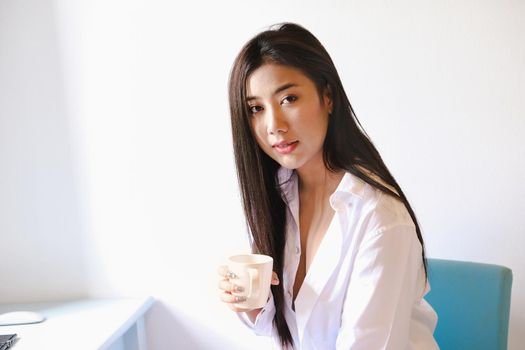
x=279, y=89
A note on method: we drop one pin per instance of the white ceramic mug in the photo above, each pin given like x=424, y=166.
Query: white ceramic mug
x=253, y=272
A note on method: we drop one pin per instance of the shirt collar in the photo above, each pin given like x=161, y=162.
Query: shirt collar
x=287, y=179
x=349, y=188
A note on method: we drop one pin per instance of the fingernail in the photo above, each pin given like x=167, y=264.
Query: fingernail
x=238, y=289
x=240, y=299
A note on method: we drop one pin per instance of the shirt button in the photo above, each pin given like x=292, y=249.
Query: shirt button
x=297, y=250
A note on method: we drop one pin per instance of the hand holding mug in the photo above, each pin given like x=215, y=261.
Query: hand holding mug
x=245, y=282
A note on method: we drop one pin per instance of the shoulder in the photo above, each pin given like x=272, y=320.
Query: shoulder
x=374, y=208
x=389, y=212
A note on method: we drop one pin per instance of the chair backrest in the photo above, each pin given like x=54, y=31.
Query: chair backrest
x=472, y=301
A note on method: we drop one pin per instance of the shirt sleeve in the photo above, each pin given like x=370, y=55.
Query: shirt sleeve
x=386, y=279
x=263, y=324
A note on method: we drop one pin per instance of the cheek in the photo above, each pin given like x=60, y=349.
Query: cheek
x=316, y=126
x=258, y=132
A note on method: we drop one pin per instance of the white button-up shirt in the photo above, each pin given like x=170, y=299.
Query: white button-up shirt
x=365, y=286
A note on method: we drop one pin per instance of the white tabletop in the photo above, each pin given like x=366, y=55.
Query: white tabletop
x=83, y=324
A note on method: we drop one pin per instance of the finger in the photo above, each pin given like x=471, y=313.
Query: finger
x=275, y=279
x=232, y=299
x=230, y=287
x=225, y=273
x=222, y=270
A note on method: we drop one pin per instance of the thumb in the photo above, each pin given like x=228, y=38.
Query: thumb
x=275, y=279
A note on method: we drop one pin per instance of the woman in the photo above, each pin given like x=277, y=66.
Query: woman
x=318, y=198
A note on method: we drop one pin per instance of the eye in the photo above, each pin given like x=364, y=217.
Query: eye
x=255, y=109
x=289, y=99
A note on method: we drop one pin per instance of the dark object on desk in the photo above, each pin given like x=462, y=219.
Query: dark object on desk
x=6, y=340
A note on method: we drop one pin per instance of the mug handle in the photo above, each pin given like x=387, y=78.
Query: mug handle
x=254, y=282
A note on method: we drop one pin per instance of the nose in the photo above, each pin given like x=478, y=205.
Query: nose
x=276, y=122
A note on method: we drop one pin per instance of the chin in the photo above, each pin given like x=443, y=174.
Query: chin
x=291, y=165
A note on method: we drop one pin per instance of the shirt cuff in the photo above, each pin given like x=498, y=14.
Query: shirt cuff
x=264, y=321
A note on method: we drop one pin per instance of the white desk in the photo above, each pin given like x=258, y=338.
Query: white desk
x=91, y=324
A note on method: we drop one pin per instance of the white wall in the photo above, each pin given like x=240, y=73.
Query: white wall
x=115, y=145
x=41, y=228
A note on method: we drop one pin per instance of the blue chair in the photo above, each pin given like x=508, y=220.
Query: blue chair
x=472, y=301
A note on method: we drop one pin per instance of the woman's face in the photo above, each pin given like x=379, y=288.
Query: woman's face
x=287, y=116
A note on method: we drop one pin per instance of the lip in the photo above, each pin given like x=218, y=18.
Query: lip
x=285, y=147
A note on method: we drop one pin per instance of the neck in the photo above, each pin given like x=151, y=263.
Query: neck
x=318, y=179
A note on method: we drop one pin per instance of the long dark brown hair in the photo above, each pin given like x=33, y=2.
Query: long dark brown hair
x=346, y=147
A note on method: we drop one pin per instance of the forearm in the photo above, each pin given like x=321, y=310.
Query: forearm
x=252, y=315
x=260, y=320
